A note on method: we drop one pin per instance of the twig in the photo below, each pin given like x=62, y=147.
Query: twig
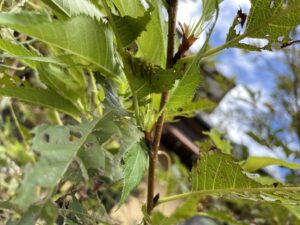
x=95, y=94
x=18, y=124
x=172, y=13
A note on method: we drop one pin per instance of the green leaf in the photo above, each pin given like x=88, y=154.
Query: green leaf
x=254, y=163
x=295, y=210
x=216, y=136
x=258, y=139
x=18, y=50
x=219, y=171
x=129, y=28
x=41, y=97
x=95, y=155
x=152, y=42
x=109, y=144
x=30, y=216
x=136, y=161
x=269, y=20
x=6, y=205
x=192, y=108
x=81, y=35
x=209, y=8
x=133, y=8
x=74, y=7
x=186, y=210
x=60, y=81
x=57, y=148
x=47, y=212
x=219, y=174
x=147, y=78
x=184, y=91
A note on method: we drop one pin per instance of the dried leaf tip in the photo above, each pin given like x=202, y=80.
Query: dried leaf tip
x=187, y=39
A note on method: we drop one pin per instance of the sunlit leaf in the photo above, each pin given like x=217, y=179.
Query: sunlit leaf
x=268, y=20
x=184, y=91
x=216, y=136
x=152, y=42
x=219, y=174
x=192, y=108
x=81, y=35
x=254, y=163
x=75, y=7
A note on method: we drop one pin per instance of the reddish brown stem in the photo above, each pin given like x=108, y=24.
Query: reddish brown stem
x=172, y=12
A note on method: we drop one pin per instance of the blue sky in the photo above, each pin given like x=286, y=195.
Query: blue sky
x=249, y=69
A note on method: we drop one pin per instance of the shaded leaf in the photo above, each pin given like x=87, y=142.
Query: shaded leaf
x=57, y=148
x=223, y=216
x=152, y=42
x=47, y=212
x=186, y=210
x=147, y=78
x=41, y=97
x=129, y=28
x=18, y=50
x=60, y=81
x=136, y=161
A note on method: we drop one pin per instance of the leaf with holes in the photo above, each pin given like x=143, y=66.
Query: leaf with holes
x=56, y=147
x=220, y=174
x=41, y=97
x=268, y=20
x=147, y=78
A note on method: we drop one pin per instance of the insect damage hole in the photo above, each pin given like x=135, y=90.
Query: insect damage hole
x=74, y=136
x=46, y=137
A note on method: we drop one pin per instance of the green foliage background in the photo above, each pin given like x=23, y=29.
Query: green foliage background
x=93, y=73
